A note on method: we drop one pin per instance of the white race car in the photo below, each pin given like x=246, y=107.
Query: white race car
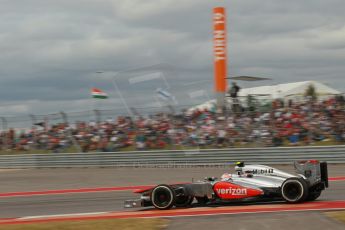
x=249, y=183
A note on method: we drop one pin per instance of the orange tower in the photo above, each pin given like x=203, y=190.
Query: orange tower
x=219, y=51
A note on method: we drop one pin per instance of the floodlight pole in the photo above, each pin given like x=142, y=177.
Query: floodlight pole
x=117, y=89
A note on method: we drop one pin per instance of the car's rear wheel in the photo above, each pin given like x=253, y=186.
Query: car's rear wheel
x=163, y=197
x=183, y=201
x=294, y=190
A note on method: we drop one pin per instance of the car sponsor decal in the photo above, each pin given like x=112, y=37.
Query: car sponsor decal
x=263, y=171
x=232, y=191
x=228, y=190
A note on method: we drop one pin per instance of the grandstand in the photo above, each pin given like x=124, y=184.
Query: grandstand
x=282, y=124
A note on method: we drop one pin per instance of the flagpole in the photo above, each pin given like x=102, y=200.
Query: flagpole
x=94, y=109
x=92, y=105
x=97, y=93
x=117, y=89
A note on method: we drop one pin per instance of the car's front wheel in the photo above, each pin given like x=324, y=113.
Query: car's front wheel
x=294, y=190
x=163, y=197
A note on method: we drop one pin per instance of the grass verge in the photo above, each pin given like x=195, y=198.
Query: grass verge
x=340, y=216
x=111, y=224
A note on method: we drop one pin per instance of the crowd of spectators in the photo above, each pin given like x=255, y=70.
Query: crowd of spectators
x=283, y=124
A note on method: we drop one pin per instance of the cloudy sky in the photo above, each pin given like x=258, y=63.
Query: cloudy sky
x=52, y=51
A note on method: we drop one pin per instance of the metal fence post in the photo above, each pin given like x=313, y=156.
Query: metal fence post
x=4, y=123
x=34, y=122
x=46, y=123
x=4, y=133
x=33, y=119
x=69, y=133
x=97, y=116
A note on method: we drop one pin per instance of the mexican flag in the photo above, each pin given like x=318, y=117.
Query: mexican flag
x=97, y=93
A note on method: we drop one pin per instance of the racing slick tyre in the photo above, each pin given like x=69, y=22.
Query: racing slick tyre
x=313, y=195
x=163, y=197
x=294, y=190
x=183, y=201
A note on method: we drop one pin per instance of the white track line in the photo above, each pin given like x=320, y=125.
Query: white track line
x=236, y=213
x=62, y=215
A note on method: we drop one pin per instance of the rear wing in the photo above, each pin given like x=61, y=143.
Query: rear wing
x=313, y=170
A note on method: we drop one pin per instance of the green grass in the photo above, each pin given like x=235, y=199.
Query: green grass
x=111, y=224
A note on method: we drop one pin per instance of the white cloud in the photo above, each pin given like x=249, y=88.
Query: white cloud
x=333, y=39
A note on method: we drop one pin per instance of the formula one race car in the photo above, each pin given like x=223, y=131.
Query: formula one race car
x=249, y=183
